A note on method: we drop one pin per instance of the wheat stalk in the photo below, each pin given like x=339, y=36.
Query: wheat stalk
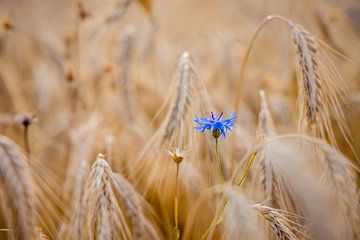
x=171, y=131
x=320, y=88
x=306, y=50
x=276, y=190
x=186, y=80
x=320, y=94
x=266, y=128
x=266, y=125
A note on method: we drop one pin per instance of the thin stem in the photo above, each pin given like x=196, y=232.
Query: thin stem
x=248, y=50
x=214, y=224
x=26, y=139
x=218, y=161
x=251, y=160
x=176, y=205
x=219, y=217
x=217, y=221
x=76, y=65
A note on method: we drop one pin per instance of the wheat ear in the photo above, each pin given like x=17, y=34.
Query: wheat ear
x=17, y=190
x=186, y=80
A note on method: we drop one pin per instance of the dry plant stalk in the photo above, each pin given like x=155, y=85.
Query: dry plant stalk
x=17, y=191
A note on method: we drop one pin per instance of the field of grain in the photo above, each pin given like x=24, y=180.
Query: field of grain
x=181, y=119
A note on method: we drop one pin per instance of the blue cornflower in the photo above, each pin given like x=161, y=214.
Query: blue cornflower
x=215, y=124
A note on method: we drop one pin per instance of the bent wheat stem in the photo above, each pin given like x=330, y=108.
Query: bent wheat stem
x=248, y=50
x=251, y=160
x=219, y=217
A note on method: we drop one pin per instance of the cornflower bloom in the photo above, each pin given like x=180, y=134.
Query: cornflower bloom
x=218, y=126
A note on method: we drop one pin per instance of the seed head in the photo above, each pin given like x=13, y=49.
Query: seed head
x=177, y=154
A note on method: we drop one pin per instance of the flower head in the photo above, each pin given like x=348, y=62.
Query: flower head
x=177, y=154
x=218, y=126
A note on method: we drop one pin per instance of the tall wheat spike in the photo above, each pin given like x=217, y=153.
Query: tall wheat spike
x=320, y=88
x=171, y=131
x=266, y=125
x=17, y=191
x=186, y=81
x=266, y=129
x=276, y=190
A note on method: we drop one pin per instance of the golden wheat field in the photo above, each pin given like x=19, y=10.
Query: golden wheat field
x=180, y=119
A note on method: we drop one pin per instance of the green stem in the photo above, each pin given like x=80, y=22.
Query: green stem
x=176, y=206
x=218, y=161
x=217, y=221
x=251, y=160
x=219, y=217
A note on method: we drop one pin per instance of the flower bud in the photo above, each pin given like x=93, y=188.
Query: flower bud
x=216, y=133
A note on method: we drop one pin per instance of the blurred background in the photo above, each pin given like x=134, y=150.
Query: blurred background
x=62, y=67
x=50, y=48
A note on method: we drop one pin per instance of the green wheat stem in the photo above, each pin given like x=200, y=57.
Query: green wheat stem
x=219, y=217
x=218, y=161
x=243, y=177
